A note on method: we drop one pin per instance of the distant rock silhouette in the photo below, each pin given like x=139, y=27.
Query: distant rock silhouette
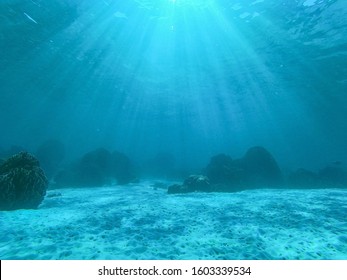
x=23, y=183
x=260, y=167
x=96, y=168
x=331, y=176
x=223, y=170
x=256, y=169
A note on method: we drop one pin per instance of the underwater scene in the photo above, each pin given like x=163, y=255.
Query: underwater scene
x=173, y=129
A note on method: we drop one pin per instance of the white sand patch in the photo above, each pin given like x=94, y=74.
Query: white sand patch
x=141, y=222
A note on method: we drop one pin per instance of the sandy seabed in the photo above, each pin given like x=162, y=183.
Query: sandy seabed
x=140, y=221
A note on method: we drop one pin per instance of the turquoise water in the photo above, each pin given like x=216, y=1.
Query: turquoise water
x=168, y=84
x=190, y=77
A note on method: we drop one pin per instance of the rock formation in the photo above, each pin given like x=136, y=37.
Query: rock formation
x=23, y=183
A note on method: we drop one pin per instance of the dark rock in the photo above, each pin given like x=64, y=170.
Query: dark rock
x=304, y=179
x=92, y=169
x=256, y=169
x=221, y=169
x=261, y=168
x=192, y=184
x=23, y=183
x=197, y=183
x=176, y=188
x=330, y=176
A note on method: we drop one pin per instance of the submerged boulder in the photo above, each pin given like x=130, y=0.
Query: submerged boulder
x=260, y=167
x=177, y=188
x=223, y=170
x=192, y=184
x=23, y=183
x=197, y=183
x=332, y=176
x=256, y=169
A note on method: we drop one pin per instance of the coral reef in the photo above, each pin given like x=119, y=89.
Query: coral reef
x=23, y=183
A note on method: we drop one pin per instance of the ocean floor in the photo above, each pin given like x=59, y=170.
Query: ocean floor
x=143, y=222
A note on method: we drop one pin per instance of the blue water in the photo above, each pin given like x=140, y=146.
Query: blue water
x=188, y=77
x=171, y=83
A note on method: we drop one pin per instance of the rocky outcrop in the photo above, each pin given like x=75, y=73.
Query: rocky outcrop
x=257, y=168
x=223, y=170
x=23, y=183
x=193, y=183
x=260, y=168
x=331, y=176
